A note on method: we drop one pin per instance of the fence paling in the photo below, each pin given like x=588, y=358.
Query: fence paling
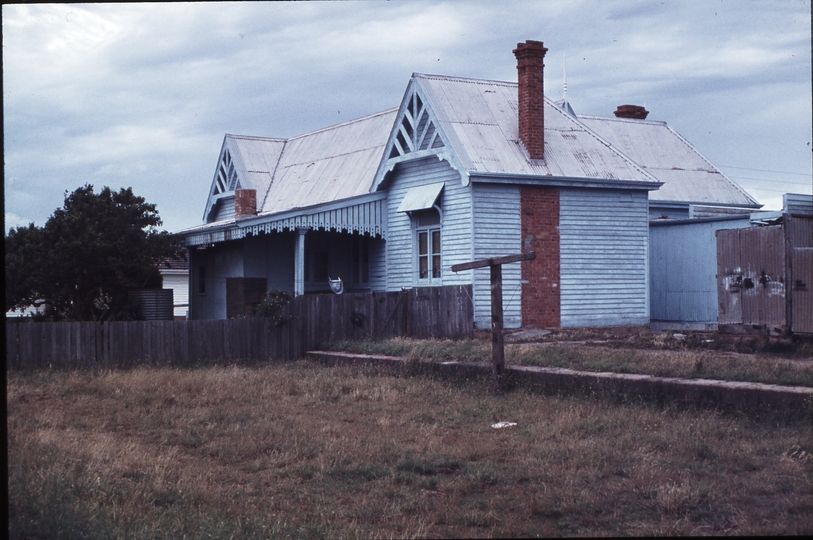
x=307, y=323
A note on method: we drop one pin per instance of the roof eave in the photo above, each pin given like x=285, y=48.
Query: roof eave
x=563, y=181
x=683, y=204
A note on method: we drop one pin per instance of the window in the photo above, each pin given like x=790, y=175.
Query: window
x=427, y=230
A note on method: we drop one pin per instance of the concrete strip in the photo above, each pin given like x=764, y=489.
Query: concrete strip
x=729, y=395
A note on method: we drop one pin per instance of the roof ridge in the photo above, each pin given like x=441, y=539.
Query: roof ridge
x=624, y=120
x=255, y=138
x=342, y=124
x=715, y=167
x=462, y=79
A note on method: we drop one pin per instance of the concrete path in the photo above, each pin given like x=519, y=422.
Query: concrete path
x=707, y=393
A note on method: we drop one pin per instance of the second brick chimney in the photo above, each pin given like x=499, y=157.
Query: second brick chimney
x=631, y=111
x=530, y=70
x=245, y=203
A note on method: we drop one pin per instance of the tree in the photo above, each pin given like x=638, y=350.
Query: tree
x=90, y=253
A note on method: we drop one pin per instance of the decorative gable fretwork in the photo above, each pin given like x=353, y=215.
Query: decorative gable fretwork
x=226, y=179
x=416, y=131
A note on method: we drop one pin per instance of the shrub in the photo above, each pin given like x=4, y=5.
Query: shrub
x=273, y=302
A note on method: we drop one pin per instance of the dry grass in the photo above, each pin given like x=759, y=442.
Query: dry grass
x=300, y=450
x=660, y=355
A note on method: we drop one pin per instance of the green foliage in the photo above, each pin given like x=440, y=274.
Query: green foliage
x=90, y=253
x=274, y=301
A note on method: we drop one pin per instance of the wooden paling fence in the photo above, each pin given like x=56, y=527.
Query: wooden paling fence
x=308, y=322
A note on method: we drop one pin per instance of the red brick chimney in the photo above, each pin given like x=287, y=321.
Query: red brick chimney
x=245, y=203
x=631, y=111
x=530, y=68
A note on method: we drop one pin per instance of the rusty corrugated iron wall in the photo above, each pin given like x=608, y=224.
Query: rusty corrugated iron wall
x=764, y=276
x=800, y=245
x=802, y=290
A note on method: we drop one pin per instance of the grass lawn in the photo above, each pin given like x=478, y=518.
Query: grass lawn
x=302, y=450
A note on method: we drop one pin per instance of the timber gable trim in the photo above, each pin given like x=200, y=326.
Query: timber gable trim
x=224, y=183
x=416, y=133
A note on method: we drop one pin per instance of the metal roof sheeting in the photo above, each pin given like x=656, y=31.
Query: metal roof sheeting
x=687, y=175
x=481, y=120
x=420, y=197
x=364, y=214
x=330, y=164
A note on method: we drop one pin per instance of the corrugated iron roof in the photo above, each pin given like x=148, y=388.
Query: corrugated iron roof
x=481, y=120
x=330, y=164
x=688, y=176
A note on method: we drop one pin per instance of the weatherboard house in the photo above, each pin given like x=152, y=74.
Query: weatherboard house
x=463, y=169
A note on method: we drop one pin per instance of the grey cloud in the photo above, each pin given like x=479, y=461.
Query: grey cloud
x=142, y=94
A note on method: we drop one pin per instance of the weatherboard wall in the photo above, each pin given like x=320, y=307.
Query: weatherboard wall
x=497, y=231
x=455, y=205
x=604, y=243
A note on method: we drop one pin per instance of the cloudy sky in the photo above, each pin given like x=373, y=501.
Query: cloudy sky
x=141, y=95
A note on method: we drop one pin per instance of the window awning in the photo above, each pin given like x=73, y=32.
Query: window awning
x=420, y=198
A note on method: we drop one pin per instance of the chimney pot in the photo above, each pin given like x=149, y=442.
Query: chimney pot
x=631, y=111
x=531, y=96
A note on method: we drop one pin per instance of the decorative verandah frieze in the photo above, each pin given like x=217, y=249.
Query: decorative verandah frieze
x=365, y=214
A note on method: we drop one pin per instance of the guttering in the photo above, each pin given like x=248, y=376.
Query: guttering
x=562, y=181
x=692, y=221
x=685, y=204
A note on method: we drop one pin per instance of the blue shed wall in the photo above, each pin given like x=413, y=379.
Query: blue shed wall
x=683, y=269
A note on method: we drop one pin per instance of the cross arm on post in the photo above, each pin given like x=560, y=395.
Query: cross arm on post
x=482, y=263
x=497, y=345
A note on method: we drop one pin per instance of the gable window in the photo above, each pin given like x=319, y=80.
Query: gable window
x=428, y=245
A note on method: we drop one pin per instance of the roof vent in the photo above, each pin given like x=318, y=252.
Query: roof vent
x=631, y=111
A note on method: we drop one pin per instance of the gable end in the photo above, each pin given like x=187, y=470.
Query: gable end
x=415, y=134
x=224, y=184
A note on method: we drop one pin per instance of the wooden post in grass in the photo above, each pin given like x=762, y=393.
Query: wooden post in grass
x=497, y=344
